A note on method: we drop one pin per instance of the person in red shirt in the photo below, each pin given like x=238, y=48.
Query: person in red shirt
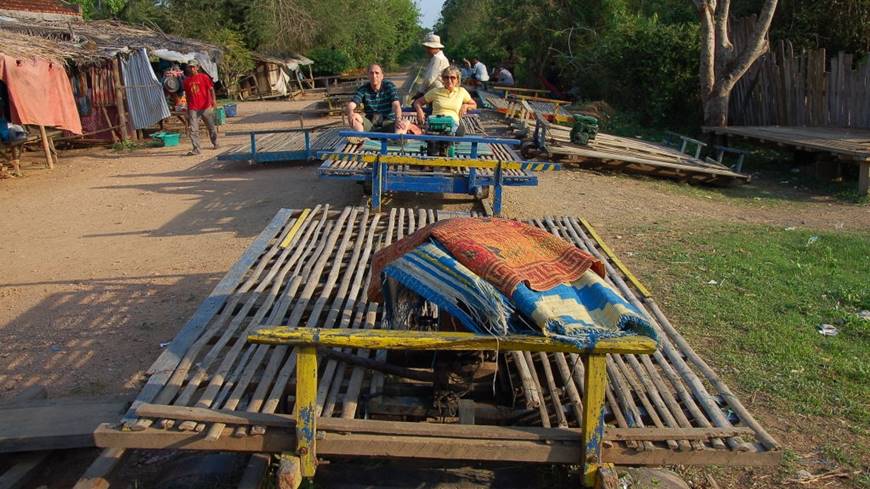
x=199, y=92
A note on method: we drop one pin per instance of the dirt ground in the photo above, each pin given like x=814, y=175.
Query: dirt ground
x=105, y=257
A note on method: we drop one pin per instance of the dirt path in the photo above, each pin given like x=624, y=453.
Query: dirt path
x=105, y=257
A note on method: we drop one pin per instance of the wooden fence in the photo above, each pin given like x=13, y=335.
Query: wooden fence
x=801, y=89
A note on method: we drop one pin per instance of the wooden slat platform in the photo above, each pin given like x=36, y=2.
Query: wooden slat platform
x=55, y=424
x=631, y=155
x=851, y=144
x=472, y=124
x=845, y=144
x=311, y=268
x=285, y=146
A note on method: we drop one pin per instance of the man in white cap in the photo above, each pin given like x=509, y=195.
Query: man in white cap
x=437, y=63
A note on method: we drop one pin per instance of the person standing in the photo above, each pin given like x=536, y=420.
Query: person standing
x=199, y=92
x=437, y=63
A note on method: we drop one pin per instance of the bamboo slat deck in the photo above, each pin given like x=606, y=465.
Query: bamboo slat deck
x=285, y=146
x=472, y=124
x=551, y=110
x=211, y=390
x=630, y=155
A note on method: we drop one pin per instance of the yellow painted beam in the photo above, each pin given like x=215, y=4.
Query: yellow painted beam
x=306, y=408
x=295, y=229
x=380, y=339
x=621, y=266
x=595, y=382
x=542, y=99
x=445, y=162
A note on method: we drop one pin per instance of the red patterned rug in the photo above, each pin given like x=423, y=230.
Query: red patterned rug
x=500, y=251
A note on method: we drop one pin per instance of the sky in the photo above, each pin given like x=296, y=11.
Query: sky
x=430, y=9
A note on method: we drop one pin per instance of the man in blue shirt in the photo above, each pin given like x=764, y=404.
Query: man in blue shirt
x=382, y=111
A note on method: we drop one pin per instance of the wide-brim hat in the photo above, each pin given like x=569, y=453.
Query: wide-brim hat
x=433, y=41
x=193, y=62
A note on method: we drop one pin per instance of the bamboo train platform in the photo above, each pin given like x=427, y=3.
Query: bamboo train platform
x=282, y=145
x=846, y=144
x=551, y=109
x=628, y=155
x=212, y=390
x=459, y=179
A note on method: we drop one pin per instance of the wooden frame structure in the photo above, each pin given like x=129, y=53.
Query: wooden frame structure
x=384, y=181
x=851, y=145
x=404, y=172
x=283, y=144
x=211, y=390
x=628, y=154
x=309, y=339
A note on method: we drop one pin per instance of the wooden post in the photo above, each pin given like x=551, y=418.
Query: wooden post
x=119, y=98
x=306, y=408
x=864, y=178
x=595, y=382
x=49, y=159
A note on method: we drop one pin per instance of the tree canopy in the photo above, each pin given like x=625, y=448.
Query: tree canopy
x=338, y=34
x=639, y=55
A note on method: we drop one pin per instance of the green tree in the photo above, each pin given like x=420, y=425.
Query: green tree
x=236, y=59
x=100, y=9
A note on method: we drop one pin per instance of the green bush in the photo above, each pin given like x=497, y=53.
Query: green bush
x=646, y=67
x=329, y=61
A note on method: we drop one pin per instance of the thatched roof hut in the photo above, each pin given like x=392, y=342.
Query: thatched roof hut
x=82, y=41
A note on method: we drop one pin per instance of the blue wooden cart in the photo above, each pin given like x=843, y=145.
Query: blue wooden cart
x=394, y=163
x=271, y=145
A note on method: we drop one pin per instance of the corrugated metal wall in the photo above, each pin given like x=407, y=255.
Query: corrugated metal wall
x=145, y=97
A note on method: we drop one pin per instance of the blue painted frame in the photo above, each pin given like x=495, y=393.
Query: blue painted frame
x=385, y=180
x=256, y=157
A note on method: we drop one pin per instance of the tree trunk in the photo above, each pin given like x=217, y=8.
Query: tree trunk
x=722, y=64
x=716, y=109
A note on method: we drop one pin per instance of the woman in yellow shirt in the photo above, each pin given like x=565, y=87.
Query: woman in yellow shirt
x=452, y=100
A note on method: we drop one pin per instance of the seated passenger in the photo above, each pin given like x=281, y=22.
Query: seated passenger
x=452, y=100
x=476, y=73
x=382, y=109
x=503, y=77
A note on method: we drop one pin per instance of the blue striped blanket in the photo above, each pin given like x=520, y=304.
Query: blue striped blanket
x=581, y=312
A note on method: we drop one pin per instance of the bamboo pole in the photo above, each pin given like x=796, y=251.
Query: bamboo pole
x=119, y=98
x=49, y=159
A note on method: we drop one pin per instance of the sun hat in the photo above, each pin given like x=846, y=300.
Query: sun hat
x=433, y=41
x=193, y=62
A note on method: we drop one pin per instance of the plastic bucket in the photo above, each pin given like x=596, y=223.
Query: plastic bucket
x=168, y=138
x=220, y=116
x=230, y=110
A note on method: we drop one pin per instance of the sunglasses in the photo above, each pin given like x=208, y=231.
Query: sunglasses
x=450, y=77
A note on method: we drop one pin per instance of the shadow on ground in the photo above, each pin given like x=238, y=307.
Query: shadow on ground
x=234, y=196
x=97, y=335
